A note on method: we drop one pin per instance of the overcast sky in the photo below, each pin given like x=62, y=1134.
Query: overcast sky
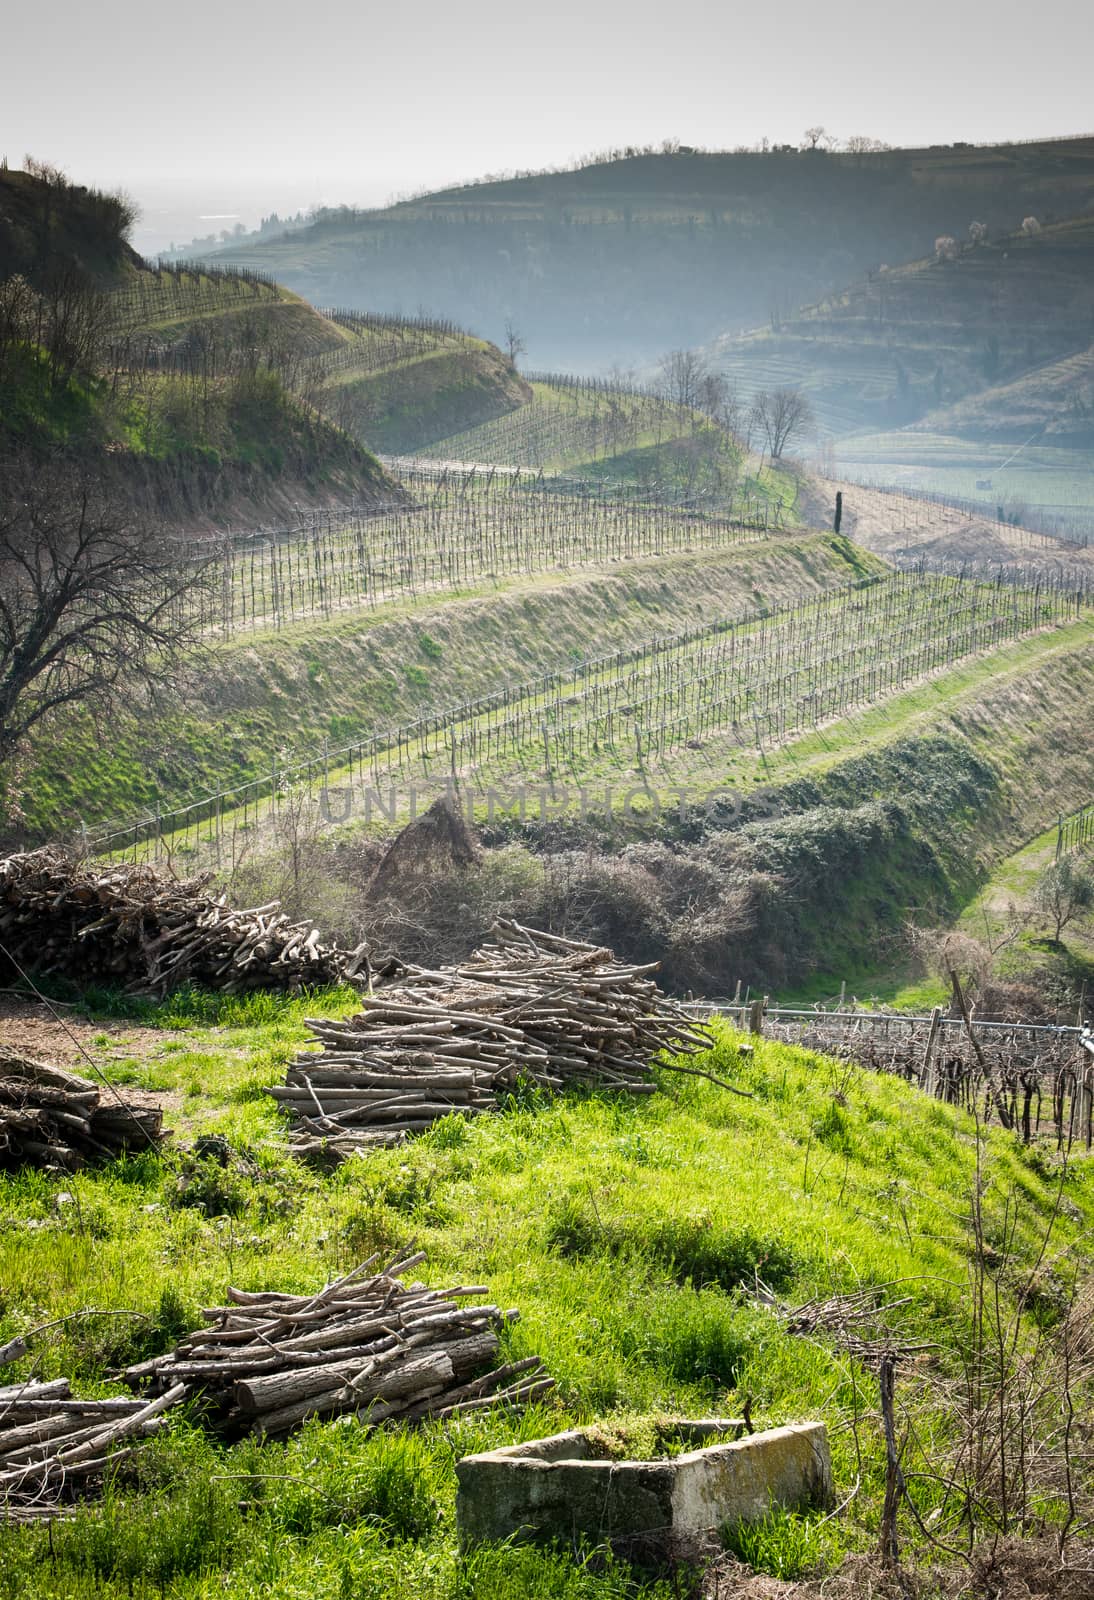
x=212, y=107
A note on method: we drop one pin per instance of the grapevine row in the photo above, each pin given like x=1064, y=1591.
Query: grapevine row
x=757, y=680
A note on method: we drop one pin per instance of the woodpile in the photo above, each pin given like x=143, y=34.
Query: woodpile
x=854, y=1321
x=52, y=1118
x=368, y=1345
x=528, y=1006
x=54, y=1447
x=146, y=931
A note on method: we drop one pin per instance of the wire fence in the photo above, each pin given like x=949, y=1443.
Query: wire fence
x=1035, y=1078
x=1075, y=832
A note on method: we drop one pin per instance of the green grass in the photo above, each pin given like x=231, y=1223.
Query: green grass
x=625, y=1233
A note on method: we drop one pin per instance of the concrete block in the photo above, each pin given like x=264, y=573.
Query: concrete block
x=564, y=1488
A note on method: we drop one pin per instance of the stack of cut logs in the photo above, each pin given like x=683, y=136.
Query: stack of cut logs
x=368, y=1345
x=529, y=1006
x=146, y=931
x=51, y=1118
x=53, y=1447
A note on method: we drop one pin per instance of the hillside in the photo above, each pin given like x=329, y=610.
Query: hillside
x=47, y=223
x=211, y=395
x=604, y=432
x=621, y=260
x=389, y=383
x=913, y=341
x=268, y=696
x=632, y=1236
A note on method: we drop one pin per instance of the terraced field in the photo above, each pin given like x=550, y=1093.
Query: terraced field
x=568, y=423
x=463, y=529
x=753, y=682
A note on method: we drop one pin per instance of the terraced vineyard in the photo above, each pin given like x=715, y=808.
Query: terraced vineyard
x=755, y=681
x=183, y=290
x=569, y=422
x=464, y=529
x=375, y=342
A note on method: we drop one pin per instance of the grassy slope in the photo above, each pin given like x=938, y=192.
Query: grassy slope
x=620, y=1230
x=271, y=694
x=389, y=388
x=896, y=812
x=557, y=430
x=1008, y=896
x=409, y=406
x=200, y=448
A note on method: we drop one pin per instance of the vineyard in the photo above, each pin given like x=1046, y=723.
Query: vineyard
x=146, y=312
x=757, y=681
x=172, y=292
x=464, y=529
x=571, y=421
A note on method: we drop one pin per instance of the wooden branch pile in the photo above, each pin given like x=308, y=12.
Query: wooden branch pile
x=54, y=1447
x=527, y=1006
x=368, y=1345
x=146, y=931
x=52, y=1118
x=852, y=1319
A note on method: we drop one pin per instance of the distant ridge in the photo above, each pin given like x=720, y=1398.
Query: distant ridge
x=616, y=261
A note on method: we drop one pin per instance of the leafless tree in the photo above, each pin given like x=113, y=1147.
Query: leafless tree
x=681, y=376
x=93, y=607
x=978, y=232
x=819, y=137
x=860, y=144
x=1030, y=226
x=514, y=344
x=945, y=247
x=781, y=415
x=1064, y=893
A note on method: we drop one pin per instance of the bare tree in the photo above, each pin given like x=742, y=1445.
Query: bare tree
x=92, y=606
x=782, y=415
x=945, y=247
x=978, y=232
x=681, y=376
x=860, y=144
x=1064, y=893
x=819, y=137
x=514, y=344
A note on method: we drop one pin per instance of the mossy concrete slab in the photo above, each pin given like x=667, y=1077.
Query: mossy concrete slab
x=562, y=1487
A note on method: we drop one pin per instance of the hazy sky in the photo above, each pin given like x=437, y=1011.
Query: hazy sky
x=213, y=107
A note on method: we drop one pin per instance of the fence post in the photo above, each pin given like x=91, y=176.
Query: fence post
x=928, y=1075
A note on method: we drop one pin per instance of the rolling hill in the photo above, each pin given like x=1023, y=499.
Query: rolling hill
x=622, y=259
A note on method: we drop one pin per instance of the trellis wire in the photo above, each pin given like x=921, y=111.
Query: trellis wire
x=759, y=679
